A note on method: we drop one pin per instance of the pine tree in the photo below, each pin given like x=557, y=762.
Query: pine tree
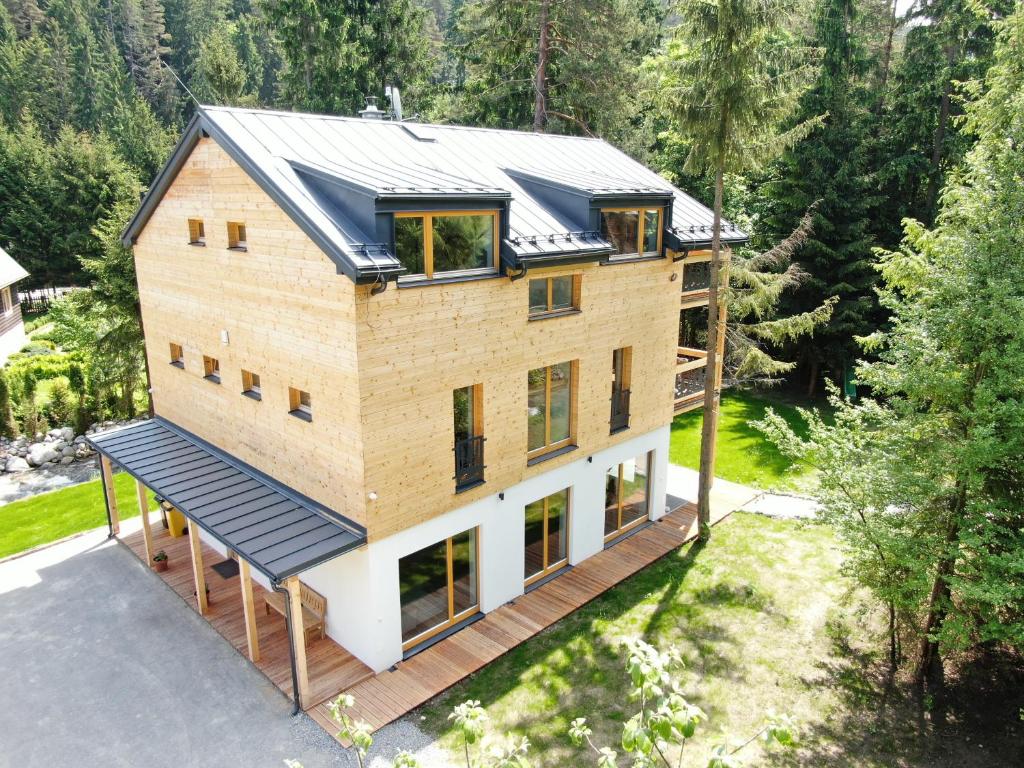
x=829, y=168
x=218, y=76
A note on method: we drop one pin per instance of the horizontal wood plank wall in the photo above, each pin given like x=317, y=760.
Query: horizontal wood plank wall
x=416, y=345
x=290, y=318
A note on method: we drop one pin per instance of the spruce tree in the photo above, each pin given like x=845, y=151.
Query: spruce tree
x=828, y=170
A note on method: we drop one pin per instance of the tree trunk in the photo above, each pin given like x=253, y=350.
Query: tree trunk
x=931, y=196
x=540, y=76
x=938, y=600
x=712, y=382
x=812, y=379
x=886, y=60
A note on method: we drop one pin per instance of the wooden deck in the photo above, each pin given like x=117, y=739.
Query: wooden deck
x=331, y=667
x=382, y=698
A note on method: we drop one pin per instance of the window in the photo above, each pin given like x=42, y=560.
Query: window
x=547, y=532
x=177, y=355
x=438, y=587
x=469, y=439
x=196, y=232
x=299, y=404
x=622, y=362
x=696, y=276
x=6, y=301
x=626, y=495
x=551, y=411
x=632, y=231
x=251, y=385
x=554, y=295
x=236, y=236
x=211, y=369
x=455, y=242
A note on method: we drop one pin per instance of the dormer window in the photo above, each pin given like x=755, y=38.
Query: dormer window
x=196, y=232
x=236, y=236
x=632, y=231
x=446, y=244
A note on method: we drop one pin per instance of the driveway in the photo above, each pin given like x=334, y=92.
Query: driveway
x=101, y=664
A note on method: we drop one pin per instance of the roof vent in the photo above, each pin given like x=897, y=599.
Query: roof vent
x=371, y=112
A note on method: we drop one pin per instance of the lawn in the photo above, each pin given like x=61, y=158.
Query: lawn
x=743, y=455
x=54, y=515
x=765, y=622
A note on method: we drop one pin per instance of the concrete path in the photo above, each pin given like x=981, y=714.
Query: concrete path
x=682, y=482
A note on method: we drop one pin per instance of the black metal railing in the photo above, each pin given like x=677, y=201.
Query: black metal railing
x=689, y=383
x=469, y=461
x=696, y=276
x=620, y=409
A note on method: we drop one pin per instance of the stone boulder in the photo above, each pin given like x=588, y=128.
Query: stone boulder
x=15, y=464
x=67, y=451
x=41, y=453
x=67, y=434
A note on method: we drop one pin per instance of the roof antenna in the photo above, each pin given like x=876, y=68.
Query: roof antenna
x=183, y=86
x=391, y=91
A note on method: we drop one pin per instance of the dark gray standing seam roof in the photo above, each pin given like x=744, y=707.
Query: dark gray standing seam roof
x=277, y=530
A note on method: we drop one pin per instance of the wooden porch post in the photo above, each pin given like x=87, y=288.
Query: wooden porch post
x=251, y=635
x=147, y=534
x=108, y=486
x=197, y=565
x=298, y=638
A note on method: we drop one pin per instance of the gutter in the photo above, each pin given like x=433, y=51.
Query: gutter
x=296, y=704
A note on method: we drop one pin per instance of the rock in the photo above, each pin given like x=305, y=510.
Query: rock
x=67, y=434
x=41, y=453
x=79, y=440
x=67, y=460
x=67, y=451
x=15, y=464
x=54, y=432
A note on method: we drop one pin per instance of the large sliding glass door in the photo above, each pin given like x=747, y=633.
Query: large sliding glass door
x=547, y=536
x=438, y=587
x=627, y=489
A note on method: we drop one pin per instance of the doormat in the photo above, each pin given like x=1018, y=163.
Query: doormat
x=226, y=569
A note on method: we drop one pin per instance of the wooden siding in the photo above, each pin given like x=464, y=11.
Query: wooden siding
x=290, y=318
x=416, y=345
x=11, y=318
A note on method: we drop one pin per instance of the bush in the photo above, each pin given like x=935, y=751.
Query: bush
x=59, y=409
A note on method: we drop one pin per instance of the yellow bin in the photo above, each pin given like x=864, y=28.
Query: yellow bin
x=176, y=523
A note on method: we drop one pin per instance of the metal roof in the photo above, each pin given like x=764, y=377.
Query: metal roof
x=277, y=530
x=312, y=164
x=10, y=270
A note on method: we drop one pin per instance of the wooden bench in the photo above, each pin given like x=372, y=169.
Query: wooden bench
x=314, y=609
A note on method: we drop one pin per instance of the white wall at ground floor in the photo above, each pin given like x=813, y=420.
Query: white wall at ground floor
x=362, y=588
x=12, y=341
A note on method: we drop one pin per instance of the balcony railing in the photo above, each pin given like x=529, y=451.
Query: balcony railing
x=691, y=374
x=469, y=462
x=620, y=409
x=695, y=283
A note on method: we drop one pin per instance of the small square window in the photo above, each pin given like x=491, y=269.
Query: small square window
x=236, y=236
x=177, y=355
x=211, y=369
x=251, y=385
x=554, y=295
x=299, y=404
x=196, y=232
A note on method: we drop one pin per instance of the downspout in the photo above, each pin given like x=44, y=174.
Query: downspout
x=296, y=705
x=106, y=500
x=513, y=277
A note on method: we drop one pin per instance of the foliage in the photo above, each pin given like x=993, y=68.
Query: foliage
x=928, y=494
x=59, y=408
x=7, y=428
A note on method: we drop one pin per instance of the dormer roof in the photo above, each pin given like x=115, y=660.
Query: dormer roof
x=332, y=174
x=10, y=270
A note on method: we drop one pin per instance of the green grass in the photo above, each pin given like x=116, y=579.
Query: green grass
x=54, y=515
x=754, y=614
x=743, y=455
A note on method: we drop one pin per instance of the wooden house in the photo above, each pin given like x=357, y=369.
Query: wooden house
x=420, y=368
x=12, y=328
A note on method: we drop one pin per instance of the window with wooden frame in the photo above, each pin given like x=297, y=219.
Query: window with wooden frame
x=547, y=536
x=211, y=369
x=632, y=231
x=627, y=495
x=236, y=236
x=196, y=232
x=468, y=407
x=6, y=300
x=448, y=243
x=551, y=408
x=622, y=363
x=251, y=385
x=438, y=587
x=177, y=355
x=554, y=296
x=300, y=404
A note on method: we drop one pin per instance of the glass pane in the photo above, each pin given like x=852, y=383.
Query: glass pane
x=534, y=560
x=423, y=587
x=538, y=296
x=536, y=409
x=651, y=231
x=409, y=244
x=561, y=401
x=620, y=229
x=697, y=276
x=561, y=292
x=558, y=515
x=463, y=242
x=634, y=489
x=463, y=401
x=464, y=571
x=611, y=500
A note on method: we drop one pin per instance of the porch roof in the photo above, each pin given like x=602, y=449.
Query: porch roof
x=277, y=530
